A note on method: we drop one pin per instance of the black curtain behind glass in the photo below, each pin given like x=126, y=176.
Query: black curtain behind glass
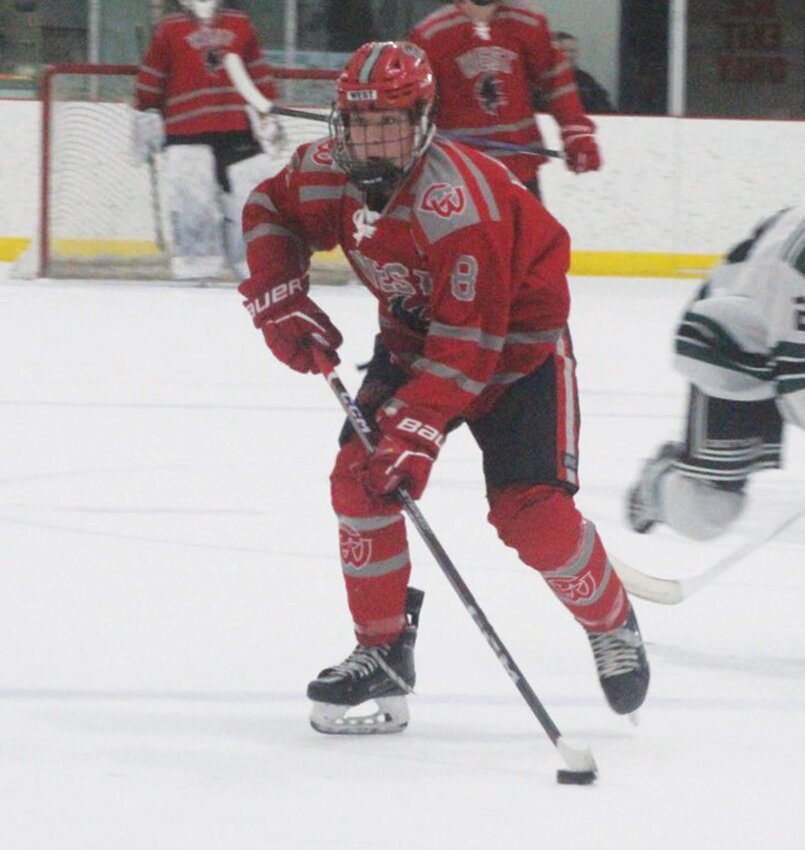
x=644, y=57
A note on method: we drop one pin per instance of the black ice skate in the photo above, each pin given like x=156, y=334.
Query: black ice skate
x=622, y=665
x=379, y=674
x=643, y=503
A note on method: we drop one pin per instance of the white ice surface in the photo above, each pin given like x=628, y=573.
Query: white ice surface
x=170, y=582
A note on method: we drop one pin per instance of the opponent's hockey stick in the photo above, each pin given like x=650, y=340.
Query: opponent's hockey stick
x=582, y=769
x=673, y=591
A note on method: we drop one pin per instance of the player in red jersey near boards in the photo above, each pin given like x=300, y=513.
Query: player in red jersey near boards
x=489, y=60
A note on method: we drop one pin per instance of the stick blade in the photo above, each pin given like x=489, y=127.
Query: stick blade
x=661, y=590
x=579, y=761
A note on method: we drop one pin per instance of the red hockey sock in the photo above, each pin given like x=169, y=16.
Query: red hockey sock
x=374, y=551
x=543, y=524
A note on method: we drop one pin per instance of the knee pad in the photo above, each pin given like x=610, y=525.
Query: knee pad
x=540, y=522
x=698, y=509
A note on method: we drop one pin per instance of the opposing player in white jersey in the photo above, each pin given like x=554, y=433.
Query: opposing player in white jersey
x=741, y=344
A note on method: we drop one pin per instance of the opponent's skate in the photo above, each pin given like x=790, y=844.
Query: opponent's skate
x=642, y=507
x=622, y=665
x=380, y=674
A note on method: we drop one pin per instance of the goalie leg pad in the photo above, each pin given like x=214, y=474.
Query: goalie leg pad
x=195, y=212
x=550, y=535
x=242, y=176
x=374, y=550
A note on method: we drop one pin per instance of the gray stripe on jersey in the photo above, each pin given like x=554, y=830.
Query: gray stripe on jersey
x=518, y=16
x=439, y=370
x=194, y=113
x=308, y=194
x=486, y=190
x=183, y=98
x=534, y=337
x=430, y=30
x=372, y=523
x=484, y=340
x=260, y=199
x=571, y=448
x=275, y=230
x=376, y=568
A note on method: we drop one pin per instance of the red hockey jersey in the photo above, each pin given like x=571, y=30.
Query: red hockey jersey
x=468, y=268
x=486, y=75
x=183, y=76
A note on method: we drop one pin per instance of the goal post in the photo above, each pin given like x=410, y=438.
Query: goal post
x=104, y=215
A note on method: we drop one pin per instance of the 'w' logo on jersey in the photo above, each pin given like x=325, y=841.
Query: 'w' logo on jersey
x=574, y=589
x=356, y=551
x=323, y=154
x=444, y=200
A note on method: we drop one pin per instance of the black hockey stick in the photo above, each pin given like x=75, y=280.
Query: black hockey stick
x=582, y=769
x=503, y=147
x=470, y=141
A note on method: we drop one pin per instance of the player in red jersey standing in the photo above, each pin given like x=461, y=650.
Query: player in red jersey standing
x=468, y=270
x=186, y=101
x=489, y=59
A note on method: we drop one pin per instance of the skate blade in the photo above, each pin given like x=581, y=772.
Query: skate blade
x=390, y=715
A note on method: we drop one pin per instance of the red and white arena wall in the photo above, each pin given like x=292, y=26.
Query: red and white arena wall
x=674, y=194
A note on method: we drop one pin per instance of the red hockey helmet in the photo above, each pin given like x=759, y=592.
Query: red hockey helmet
x=383, y=76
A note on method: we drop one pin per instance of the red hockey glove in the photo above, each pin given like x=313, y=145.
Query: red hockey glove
x=581, y=150
x=292, y=323
x=405, y=453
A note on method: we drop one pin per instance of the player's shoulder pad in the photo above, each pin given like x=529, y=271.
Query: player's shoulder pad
x=233, y=14
x=452, y=192
x=316, y=156
x=439, y=21
x=523, y=16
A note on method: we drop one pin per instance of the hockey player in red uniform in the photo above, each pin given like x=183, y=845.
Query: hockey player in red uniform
x=215, y=144
x=468, y=270
x=489, y=58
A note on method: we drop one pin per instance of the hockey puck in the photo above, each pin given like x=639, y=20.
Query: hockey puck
x=575, y=777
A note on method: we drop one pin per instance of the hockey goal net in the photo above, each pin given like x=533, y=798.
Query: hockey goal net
x=102, y=215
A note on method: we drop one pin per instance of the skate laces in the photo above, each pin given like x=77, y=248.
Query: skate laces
x=617, y=652
x=362, y=661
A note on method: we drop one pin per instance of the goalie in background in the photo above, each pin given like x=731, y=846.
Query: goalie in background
x=216, y=146
x=741, y=344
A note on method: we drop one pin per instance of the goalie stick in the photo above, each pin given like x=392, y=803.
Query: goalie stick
x=254, y=97
x=666, y=591
x=582, y=769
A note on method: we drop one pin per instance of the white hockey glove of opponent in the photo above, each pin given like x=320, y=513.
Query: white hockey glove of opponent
x=147, y=135
x=266, y=129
